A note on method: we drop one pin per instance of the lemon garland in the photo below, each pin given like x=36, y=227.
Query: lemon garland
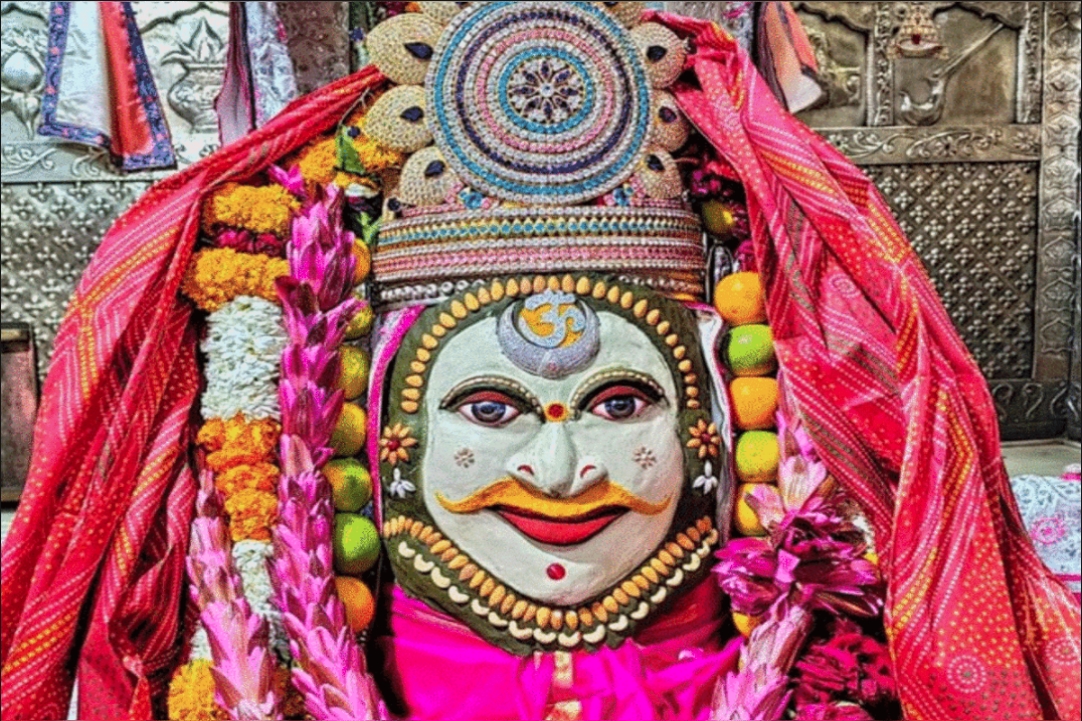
x=749, y=356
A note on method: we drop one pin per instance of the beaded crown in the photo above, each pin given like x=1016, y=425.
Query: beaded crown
x=540, y=138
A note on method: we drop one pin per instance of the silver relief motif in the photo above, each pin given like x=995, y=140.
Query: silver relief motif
x=571, y=343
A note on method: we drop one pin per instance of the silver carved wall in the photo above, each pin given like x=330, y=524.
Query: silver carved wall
x=59, y=199
x=978, y=155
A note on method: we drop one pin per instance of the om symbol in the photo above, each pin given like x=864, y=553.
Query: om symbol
x=551, y=334
x=562, y=324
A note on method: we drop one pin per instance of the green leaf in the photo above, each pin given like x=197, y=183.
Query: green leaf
x=348, y=158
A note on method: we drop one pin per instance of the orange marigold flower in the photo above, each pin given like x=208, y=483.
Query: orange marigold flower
x=238, y=441
x=260, y=209
x=218, y=275
x=211, y=435
x=251, y=514
x=292, y=699
x=374, y=157
x=258, y=477
x=317, y=161
x=191, y=694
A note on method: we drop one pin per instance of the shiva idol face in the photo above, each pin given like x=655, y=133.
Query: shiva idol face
x=548, y=453
x=559, y=485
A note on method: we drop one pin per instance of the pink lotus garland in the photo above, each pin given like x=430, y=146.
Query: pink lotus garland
x=329, y=668
x=243, y=666
x=812, y=560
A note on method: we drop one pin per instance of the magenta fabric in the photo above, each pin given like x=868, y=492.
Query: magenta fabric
x=442, y=670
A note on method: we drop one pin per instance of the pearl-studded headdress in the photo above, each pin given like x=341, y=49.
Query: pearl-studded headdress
x=540, y=138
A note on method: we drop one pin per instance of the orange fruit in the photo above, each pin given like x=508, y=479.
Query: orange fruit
x=349, y=432
x=738, y=299
x=360, y=324
x=757, y=456
x=358, y=600
x=364, y=261
x=353, y=366
x=755, y=402
x=745, y=519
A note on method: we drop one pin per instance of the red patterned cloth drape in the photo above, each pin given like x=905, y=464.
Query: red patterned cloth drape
x=978, y=627
x=93, y=568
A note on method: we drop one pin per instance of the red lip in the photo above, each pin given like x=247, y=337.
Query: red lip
x=562, y=532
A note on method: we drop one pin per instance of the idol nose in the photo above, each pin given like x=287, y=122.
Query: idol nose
x=551, y=464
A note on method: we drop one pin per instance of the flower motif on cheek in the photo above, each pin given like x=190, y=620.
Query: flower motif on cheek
x=464, y=458
x=400, y=486
x=704, y=438
x=707, y=482
x=645, y=457
x=395, y=443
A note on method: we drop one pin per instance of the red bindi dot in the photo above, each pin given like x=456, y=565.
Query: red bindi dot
x=556, y=572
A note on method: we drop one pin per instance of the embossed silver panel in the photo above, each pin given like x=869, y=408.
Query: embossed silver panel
x=975, y=227
x=49, y=231
x=58, y=199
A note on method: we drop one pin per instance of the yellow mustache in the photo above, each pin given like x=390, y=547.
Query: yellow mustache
x=514, y=494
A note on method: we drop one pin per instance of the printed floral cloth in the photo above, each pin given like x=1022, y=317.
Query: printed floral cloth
x=1052, y=511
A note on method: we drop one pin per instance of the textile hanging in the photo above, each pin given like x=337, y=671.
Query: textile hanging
x=99, y=90
x=259, y=79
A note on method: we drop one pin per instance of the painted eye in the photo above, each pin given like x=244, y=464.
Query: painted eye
x=489, y=408
x=619, y=403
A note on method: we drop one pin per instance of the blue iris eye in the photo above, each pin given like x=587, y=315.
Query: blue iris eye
x=489, y=411
x=620, y=407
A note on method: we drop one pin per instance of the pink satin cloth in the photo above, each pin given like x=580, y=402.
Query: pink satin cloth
x=440, y=669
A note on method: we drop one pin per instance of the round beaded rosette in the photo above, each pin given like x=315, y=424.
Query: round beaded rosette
x=539, y=103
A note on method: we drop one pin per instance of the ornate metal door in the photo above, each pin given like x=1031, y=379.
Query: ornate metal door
x=977, y=154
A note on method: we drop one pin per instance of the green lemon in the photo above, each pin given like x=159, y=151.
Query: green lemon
x=361, y=323
x=356, y=544
x=717, y=218
x=749, y=351
x=351, y=484
x=354, y=366
x=349, y=432
x=757, y=456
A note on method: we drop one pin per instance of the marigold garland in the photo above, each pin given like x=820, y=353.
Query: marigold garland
x=260, y=209
x=218, y=275
x=191, y=694
x=238, y=442
x=317, y=161
x=252, y=512
x=254, y=477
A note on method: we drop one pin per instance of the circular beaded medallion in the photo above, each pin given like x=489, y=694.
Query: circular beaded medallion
x=539, y=102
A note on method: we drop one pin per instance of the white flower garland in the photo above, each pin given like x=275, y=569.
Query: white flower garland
x=244, y=343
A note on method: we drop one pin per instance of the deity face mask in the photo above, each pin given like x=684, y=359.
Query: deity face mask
x=540, y=454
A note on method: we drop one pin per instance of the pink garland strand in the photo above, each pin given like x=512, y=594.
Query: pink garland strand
x=243, y=666
x=764, y=574
x=329, y=667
